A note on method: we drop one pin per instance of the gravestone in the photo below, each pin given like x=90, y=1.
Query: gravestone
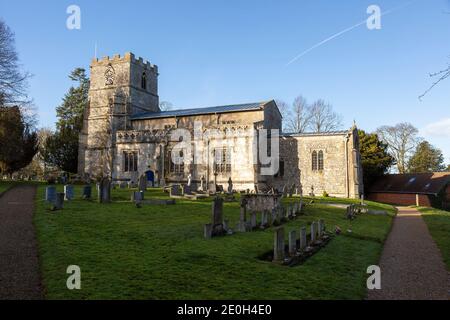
x=230, y=186
x=313, y=232
x=275, y=220
x=142, y=183
x=137, y=196
x=208, y=231
x=186, y=189
x=253, y=222
x=321, y=228
x=202, y=183
x=87, y=192
x=104, y=190
x=303, y=241
x=68, y=190
x=217, y=217
x=292, y=243
x=59, y=201
x=50, y=194
x=242, y=225
x=176, y=191
x=189, y=180
x=278, y=245
x=264, y=219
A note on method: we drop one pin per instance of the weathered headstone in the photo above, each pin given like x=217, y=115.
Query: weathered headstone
x=278, y=245
x=275, y=220
x=142, y=183
x=59, y=201
x=264, y=219
x=68, y=190
x=176, y=191
x=242, y=225
x=313, y=232
x=303, y=241
x=217, y=217
x=292, y=243
x=321, y=228
x=208, y=231
x=137, y=196
x=87, y=192
x=253, y=222
x=104, y=190
x=50, y=194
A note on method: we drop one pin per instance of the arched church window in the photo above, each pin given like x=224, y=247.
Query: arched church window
x=320, y=161
x=314, y=161
x=144, y=81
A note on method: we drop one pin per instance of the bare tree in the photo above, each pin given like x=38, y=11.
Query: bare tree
x=323, y=118
x=165, y=106
x=13, y=83
x=439, y=76
x=300, y=117
x=402, y=140
x=283, y=107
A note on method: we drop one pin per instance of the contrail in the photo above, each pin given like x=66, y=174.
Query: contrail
x=347, y=30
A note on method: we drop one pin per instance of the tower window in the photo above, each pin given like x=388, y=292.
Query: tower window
x=144, y=81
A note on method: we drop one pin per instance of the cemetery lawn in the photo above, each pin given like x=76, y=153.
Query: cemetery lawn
x=438, y=223
x=158, y=252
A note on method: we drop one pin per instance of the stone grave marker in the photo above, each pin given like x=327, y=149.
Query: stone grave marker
x=278, y=245
x=87, y=192
x=208, y=231
x=321, y=228
x=59, y=201
x=230, y=186
x=217, y=217
x=313, y=232
x=253, y=222
x=303, y=241
x=50, y=194
x=292, y=243
x=176, y=191
x=104, y=190
x=142, y=182
x=68, y=190
x=137, y=196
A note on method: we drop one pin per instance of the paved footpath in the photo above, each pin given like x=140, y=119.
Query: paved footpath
x=411, y=264
x=19, y=265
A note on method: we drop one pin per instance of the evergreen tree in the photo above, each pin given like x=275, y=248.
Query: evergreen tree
x=62, y=147
x=426, y=158
x=375, y=157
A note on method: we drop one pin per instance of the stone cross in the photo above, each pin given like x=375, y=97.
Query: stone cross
x=50, y=194
x=292, y=243
x=278, y=245
x=303, y=242
x=68, y=190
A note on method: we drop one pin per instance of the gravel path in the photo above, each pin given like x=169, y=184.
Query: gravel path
x=19, y=265
x=411, y=264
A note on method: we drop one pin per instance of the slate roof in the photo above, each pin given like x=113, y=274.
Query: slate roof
x=308, y=134
x=421, y=183
x=200, y=111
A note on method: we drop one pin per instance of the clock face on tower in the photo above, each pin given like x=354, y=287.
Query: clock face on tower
x=109, y=75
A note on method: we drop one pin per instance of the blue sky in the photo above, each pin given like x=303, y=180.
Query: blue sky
x=214, y=52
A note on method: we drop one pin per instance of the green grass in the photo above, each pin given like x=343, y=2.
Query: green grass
x=438, y=223
x=5, y=185
x=158, y=252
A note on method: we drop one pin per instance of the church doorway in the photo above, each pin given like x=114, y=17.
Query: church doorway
x=150, y=177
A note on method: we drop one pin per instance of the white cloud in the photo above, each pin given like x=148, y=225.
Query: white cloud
x=439, y=128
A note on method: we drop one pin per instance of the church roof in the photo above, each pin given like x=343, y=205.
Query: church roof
x=423, y=183
x=200, y=111
x=309, y=134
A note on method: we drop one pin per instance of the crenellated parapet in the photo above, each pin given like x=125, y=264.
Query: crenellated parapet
x=128, y=57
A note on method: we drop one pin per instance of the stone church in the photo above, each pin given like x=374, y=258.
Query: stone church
x=126, y=135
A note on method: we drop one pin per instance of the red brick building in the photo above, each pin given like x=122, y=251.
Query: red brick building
x=423, y=189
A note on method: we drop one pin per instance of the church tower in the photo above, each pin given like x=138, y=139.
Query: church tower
x=120, y=87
